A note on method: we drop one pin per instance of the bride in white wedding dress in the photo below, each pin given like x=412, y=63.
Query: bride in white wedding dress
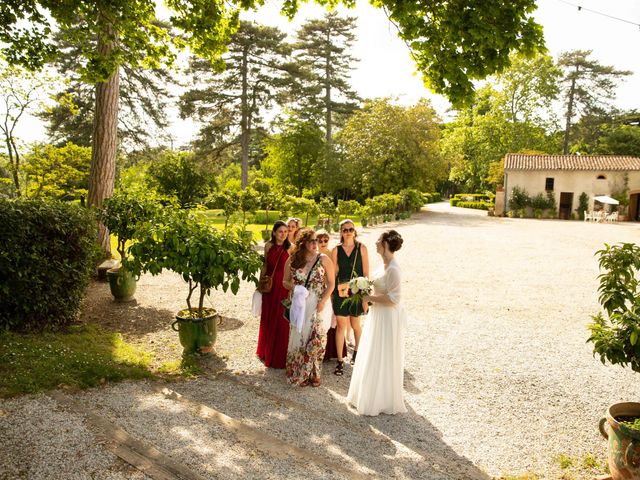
x=377, y=381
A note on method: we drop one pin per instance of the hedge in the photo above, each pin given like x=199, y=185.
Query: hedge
x=48, y=254
x=476, y=205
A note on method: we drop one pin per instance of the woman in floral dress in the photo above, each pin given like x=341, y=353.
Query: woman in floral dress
x=308, y=274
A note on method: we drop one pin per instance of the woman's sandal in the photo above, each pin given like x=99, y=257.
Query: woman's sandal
x=353, y=357
x=315, y=382
x=339, y=371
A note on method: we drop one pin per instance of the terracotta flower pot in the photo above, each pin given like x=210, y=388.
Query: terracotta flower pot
x=197, y=334
x=624, y=442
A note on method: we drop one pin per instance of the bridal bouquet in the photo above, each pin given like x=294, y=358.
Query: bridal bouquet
x=359, y=288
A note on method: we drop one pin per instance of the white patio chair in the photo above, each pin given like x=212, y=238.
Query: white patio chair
x=612, y=217
x=588, y=216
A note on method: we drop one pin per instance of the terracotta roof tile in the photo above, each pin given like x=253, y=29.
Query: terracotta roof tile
x=516, y=161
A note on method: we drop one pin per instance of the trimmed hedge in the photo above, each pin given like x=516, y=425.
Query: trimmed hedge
x=48, y=254
x=476, y=205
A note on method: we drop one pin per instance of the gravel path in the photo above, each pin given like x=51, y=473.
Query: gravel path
x=499, y=379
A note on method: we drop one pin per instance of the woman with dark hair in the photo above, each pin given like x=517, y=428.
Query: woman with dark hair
x=376, y=383
x=350, y=259
x=310, y=278
x=273, y=335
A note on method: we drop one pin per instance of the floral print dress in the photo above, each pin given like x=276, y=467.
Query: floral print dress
x=306, y=348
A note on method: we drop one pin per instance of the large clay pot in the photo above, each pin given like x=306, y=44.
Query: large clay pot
x=122, y=284
x=624, y=443
x=197, y=334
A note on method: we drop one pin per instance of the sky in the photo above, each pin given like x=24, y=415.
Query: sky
x=386, y=69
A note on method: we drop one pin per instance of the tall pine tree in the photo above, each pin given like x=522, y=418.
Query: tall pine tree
x=322, y=50
x=587, y=86
x=229, y=103
x=143, y=95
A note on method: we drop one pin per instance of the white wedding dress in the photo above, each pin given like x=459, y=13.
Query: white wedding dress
x=377, y=380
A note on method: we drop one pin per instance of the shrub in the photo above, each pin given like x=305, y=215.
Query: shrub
x=411, y=199
x=476, y=205
x=519, y=199
x=49, y=252
x=583, y=204
x=454, y=201
x=616, y=337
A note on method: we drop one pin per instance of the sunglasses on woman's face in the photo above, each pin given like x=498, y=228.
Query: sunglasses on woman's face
x=323, y=240
x=313, y=240
x=348, y=230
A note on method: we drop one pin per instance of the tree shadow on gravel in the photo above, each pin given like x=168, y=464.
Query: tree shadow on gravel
x=126, y=317
x=317, y=419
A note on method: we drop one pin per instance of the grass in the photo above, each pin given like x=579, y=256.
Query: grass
x=84, y=356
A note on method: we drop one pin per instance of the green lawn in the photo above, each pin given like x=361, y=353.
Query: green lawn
x=83, y=357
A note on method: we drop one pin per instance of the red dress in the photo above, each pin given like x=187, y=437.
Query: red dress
x=273, y=337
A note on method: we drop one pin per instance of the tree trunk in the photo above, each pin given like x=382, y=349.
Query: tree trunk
x=244, y=138
x=104, y=141
x=567, y=126
x=327, y=94
x=14, y=164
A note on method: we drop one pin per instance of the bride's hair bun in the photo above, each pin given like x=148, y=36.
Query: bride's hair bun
x=393, y=239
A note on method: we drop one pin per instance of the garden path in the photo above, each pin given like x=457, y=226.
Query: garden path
x=499, y=379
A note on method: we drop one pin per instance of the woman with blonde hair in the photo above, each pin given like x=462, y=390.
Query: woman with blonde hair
x=293, y=224
x=309, y=276
x=350, y=259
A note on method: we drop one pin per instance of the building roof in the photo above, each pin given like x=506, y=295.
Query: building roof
x=517, y=161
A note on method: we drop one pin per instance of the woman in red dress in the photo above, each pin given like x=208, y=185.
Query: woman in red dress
x=273, y=337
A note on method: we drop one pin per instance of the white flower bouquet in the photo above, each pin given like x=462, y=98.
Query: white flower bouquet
x=359, y=288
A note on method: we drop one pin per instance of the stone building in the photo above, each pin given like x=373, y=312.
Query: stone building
x=567, y=176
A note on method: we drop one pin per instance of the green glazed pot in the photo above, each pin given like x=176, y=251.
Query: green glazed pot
x=197, y=335
x=122, y=283
x=624, y=443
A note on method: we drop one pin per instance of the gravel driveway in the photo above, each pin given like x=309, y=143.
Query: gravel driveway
x=499, y=379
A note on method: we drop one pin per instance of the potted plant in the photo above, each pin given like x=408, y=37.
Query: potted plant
x=121, y=214
x=205, y=258
x=616, y=339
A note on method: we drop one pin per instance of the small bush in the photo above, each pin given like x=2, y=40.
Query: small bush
x=583, y=204
x=519, y=199
x=476, y=205
x=49, y=253
x=454, y=201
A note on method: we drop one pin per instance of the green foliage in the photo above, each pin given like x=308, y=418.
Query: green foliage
x=583, y=204
x=80, y=357
x=542, y=201
x=180, y=175
x=122, y=213
x=587, y=86
x=431, y=197
x=205, y=258
x=411, y=200
x=322, y=55
x=57, y=172
x=519, y=199
x=295, y=155
x=621, y=140
x=47, y=257
x=230, y=104
x=475, y=205
x=615, y=337
x=347, y=207
x=387, y=148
